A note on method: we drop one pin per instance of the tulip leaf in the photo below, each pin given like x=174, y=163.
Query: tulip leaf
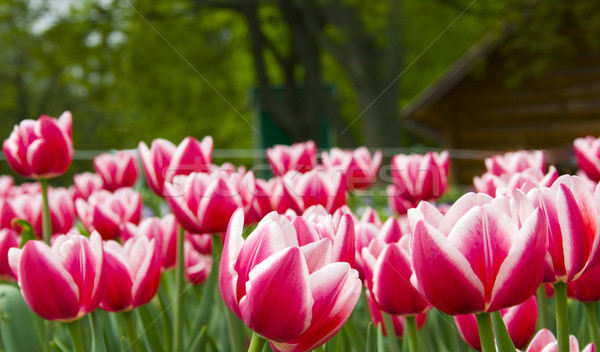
x=18, y=327
x=125, y=345
x=198, y=341
x=371, y=343
x=26, y=230
x=503, y=340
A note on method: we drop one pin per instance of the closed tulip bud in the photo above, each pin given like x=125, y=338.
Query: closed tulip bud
x=520, y=322
x=163, y=231
x=107, y=212
x=420, y=177
x=514, y=162
x=197, y=265
x=133, y=271
x=358, y=168
x=62, y=210
x=191, y=156
x=155, y=162
x=41, y=148
x=117, y=170
x=297, y=296
x=300, y=157
x=85, y=184
x=63, y=282
x=526, y=179
x=544, y=341
x=469, y=260
x=8, y=240
x=587, y=287
x=587, y=154
x=397, y=320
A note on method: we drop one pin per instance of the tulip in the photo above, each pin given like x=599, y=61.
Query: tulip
x=469, y=260
x=86, y=183
x=420, y=177
x=155, y=162
x=8, y=240
x=357, y=166
x=162, y=231
x=371, y=216
x=544, y=341
x=396, y=202
x=488, y=183
x=63, y=282
x=191, y=156
x=40, y=149
x=62, y=211
x=203, y=203
x=197, y=264
x=133, y=271
x=7, y=213
x=520, y=322
x=261, y=203
x=515, y=162
x=117, y=170
x=108, y=212
x=6, y=183
x=27, y=188
x=294, y=295
x=300, y=157
x=398, y=321
x=587, y=154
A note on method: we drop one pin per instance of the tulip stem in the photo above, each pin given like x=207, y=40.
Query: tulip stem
x=542, y=302
x=391, y=332
x=75, y=335
x=411, y=332
x=130, y=330
x=178, y=295
x=562, y=316
x=503, y=340
x=590, y=309
x=257, y=343
x=486, y=335
x=46, y=224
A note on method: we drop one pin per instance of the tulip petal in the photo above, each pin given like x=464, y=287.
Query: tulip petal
x=228, y=276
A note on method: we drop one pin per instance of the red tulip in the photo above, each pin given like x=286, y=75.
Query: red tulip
x=301, y=157
x=155, y=162
x=191, y=156
x=570, y=213
x=63, y=282
x=197, y=265
x=8, y=240
x=520, y=322
x=163, y=231
x=86, y=183
x=294, y=295
x=544, y=341
x=587, y=154
x=41, y=148
x=488, y=183
x=357, y=166
x=108, y=212
x=7, y=214
x=397, y=320
x=133, y=271
x=261, y=203
x=203, y=203
x=28, y=188
x=117, y=170
x=6, y=183
x=515, y=162
x=389, y=232
x=62, y=211
x=420, y=177
x=469, y=260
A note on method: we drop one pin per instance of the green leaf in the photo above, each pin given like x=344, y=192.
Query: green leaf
x=18, y=328
x=371, y=339
x=26, y=230
x=503, y=340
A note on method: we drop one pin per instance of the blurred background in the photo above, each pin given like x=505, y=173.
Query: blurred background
x=474, y=76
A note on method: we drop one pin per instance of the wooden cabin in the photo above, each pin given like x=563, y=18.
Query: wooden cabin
x=474, y=107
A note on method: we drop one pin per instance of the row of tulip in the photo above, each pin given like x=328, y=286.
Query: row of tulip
x=296, y=265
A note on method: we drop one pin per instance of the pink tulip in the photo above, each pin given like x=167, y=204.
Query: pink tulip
x=197, y=265
x=294, y=295
x=261, y=203
x=587, y=287
x=162, y=231
x=520, y=322
x=570, y=213
x=488, y=183
x=86, y=183
x=300, y=157
x=357, y=166
x=8, y=240
x=389, y=232
x=108, y=212
x=117, y=170
x=7, y=213
x=371, y=216
x=587, y=154
x=420, y=177
x=200, y=242
x=155, y=162
x=471, y=259
x=544, y=341
x=203, y=203
x=63, y=282
x=387, y=274
x=515, y=162
x=191, y=156
x=398, y=321
x=41, y=148
x=133, y=271
x=6, y=183
x=27, y=188
x=397, y=203
x=62, y=211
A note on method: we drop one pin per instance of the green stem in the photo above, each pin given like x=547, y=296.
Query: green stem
x=503, y=339
x=46, y=224
x=319, y=349
x=257, y=343
x=411, y=331
x=75, y=335
x=542, y=302
x=391, y=332
x=130, y=330
x=178, y=295
x=562, y=316
x=590, y=309
x=484, y=324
